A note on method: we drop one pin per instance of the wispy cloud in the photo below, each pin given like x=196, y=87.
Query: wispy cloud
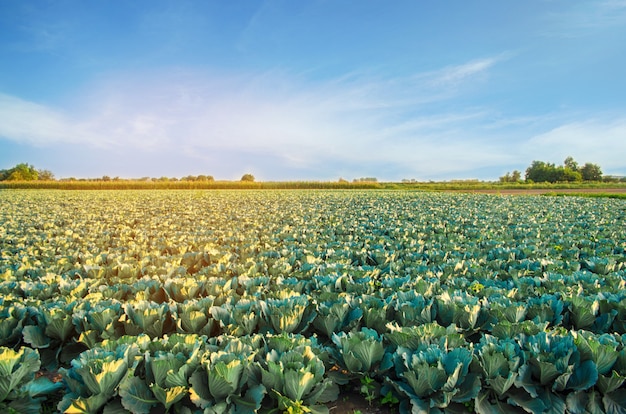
x=585, y=18
x=35, y=124
x=596, y=140
x=365, y=122
x=456, y=74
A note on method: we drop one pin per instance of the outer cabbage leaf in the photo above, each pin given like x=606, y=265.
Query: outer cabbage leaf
x=18, y=389
x=150, y=318
x=602, y=350
x=223, y=384
x=336, y=316
x=432, y=376
x=413, y=309
x=168, y=396
x=361, y=352
x=58, y=323
x=500, y=361
x=583, y=311
x=608, y=384
x=615, y=402
x=375, y=312
x=291, y=315
x=298, y=375
x=95, y=376
x=136, y=395
x=11, y=323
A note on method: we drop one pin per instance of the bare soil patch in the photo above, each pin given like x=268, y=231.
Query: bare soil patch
x=352, y=402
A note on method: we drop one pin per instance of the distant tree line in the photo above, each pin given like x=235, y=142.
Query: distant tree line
x=545, y=172
x=25, y=172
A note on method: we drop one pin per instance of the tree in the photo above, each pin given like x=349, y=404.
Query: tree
x=45, y=175
x=247, y=177
x=591, y=172
x=567, y=174
x=540, y=171
x=21, y=172
x=513, y=177
x=570, y=163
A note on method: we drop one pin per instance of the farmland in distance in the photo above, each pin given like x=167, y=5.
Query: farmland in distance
x=249, y=301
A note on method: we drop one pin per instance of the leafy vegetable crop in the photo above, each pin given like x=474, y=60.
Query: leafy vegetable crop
x=260, y=301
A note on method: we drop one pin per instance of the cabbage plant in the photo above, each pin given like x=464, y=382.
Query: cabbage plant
x=376, y=312
x=239, y=317
x=12, y=319
x=147, y=317
x=289, y=315
x=222, y=384
x=413, y=309
x=94, y=378
x=336, y=315
x=361, y=353
x=296, y=379
x=194, y=317
x=435, y=378
x=20, y=392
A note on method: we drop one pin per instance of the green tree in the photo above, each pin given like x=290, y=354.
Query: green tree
x=570, y=163
x=45, y=175
x=591, y=172
x=567, y=174
x=247, y=177
x=512, y=177
x=540, y=172
x=21, y=172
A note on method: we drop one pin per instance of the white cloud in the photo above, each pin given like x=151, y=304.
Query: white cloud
x=355, y=120
x=600, y=141
x=455, y=74
x=32, y=123
x=583, y=18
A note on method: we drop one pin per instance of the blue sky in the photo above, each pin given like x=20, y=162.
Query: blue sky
x=311, y=90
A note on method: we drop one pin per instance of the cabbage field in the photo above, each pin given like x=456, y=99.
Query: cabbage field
x=182, y=301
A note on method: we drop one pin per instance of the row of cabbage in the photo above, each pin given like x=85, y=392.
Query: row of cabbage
x=526, y=275
x=432, y=368
x=323, y=305
x=243, y=307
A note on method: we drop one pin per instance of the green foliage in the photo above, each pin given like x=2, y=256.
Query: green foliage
x=540, y=171
x=22, y=172
x=512, y=177
x=435, y=377
x=591, y=172
x=296, y=377
x=256, y=301
x=362, y=353
x=368, y=388
x=20, y=392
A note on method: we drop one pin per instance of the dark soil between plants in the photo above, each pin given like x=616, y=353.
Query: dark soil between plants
x=351, y=402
